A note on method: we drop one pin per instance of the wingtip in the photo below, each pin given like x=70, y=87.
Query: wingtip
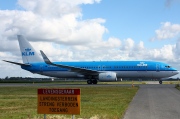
x=5, y=60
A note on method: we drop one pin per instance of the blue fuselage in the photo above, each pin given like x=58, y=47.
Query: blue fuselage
x=139, y=69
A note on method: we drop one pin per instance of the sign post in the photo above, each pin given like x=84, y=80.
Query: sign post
x=44, y=116
x=59, y=101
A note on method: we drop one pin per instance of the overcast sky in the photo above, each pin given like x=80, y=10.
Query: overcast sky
x=78, y=30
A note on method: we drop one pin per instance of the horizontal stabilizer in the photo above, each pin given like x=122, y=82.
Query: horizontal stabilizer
x=17, y=63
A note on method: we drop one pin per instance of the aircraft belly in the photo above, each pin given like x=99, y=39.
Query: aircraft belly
x=59, y=74
x=144, y=74
x=162, y=74
x=129, y=74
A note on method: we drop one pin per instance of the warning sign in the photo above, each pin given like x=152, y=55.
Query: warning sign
x=58, y=101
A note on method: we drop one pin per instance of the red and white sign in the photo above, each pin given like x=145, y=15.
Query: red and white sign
x=58, y=101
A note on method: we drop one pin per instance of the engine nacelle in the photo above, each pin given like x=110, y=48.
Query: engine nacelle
x=107, y=76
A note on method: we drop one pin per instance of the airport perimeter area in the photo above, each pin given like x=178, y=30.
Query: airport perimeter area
x=19, y=100
x=101, y=101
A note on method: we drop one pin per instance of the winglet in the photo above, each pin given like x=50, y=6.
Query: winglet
x=46, y=60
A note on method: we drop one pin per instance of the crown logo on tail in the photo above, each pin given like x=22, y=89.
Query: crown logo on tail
x=28, y=49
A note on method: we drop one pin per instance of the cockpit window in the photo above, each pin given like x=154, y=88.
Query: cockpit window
x=168, y=66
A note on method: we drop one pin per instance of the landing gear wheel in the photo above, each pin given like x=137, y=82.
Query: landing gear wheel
x=94, y=81
x=160, y=82
x=89, y=81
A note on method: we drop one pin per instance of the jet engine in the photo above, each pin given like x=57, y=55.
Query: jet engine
x=107, y=76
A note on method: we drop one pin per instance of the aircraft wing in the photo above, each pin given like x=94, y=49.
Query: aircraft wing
x=17, y=63
x=71, y=68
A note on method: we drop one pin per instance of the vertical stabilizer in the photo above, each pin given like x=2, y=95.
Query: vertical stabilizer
x=29, y=55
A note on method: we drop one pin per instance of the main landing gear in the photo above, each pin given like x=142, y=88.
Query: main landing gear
x=160, y=81
x=91, y=81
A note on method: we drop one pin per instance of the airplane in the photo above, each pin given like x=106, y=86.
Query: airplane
x=93, y=71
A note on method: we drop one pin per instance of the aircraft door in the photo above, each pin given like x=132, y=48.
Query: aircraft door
x=103, y=68
x=157, y=67
x=41, y=69
x=99, y=67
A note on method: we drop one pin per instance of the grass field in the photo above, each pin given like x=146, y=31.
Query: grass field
x=96, y=102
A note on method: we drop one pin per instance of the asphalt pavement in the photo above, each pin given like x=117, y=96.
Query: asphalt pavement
x=155, y=102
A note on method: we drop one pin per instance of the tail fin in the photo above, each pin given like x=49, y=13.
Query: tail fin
x=29, y=55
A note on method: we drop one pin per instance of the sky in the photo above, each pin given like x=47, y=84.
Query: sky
x=89, y=30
